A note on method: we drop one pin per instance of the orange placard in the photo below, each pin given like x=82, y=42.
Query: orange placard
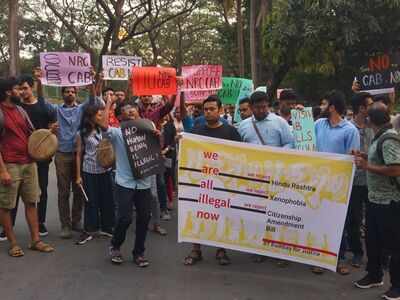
x=148, y=81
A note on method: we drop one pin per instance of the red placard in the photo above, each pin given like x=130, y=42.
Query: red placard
x=149, y=81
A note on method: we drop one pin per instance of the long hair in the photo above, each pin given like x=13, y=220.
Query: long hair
x=87, y=125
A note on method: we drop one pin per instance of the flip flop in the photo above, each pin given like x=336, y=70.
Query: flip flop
x=41, y=247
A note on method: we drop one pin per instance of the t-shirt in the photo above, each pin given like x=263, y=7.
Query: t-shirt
x=224, y=131
x=40, y=113
x=381, y=190
x=14, y=141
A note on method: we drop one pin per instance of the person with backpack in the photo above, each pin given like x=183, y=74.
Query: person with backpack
x=95, y=180
x=383, y=208
x=18, y=172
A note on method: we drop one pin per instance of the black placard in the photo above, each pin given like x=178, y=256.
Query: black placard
x=143, y=148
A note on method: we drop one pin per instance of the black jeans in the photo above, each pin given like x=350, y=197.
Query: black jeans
x=358, y=198
x=383, y=235
x=99, y=210
x=125, y=198
x=43, y=174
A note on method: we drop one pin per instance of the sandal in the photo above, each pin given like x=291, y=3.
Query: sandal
x=222, y=257
x=343, y=270
x=16, y=251
x=193, y=258
x=141, y=262
x=41, y=247
x=317, y=270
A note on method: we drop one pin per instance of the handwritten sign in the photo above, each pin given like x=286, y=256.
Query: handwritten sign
x=201, y=77
x=65, y=69
x=233, y=88
x=303, y=129
x=382, y=72
x=118, y=67
x=153, y=81
x=245, y=92
x=143, y=147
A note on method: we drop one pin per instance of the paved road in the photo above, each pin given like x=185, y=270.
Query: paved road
x=84, y=272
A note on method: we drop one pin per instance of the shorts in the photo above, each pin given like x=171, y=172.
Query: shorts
x=24, y=184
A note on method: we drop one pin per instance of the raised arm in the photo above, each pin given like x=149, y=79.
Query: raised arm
x=37, y=76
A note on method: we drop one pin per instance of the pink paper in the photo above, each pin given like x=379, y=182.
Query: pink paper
x=201, y=77
x=65, y=69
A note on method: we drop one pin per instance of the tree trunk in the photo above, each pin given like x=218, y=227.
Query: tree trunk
x=13, y=37
x=253, y=40
x=240, y=38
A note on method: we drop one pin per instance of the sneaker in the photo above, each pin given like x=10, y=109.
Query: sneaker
x=84, y=238
x=367, y=282
x=356, y=262
x=105, y=234
x=66, y=233
x=165, y=216
x=3, y=236
x=115, y=256
x=392, y=294
x=140, y=261
x=43, y=230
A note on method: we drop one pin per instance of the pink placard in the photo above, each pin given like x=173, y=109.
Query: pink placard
x=201, y=78
x=65, y=69
x=198, y=96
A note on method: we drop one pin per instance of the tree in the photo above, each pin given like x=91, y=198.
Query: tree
x=330, y=38
x=109, y=24
x=13, y=37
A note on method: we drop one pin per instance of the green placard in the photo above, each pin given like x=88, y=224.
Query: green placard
x=233, y=88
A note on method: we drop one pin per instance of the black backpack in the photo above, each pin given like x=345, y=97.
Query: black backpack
x=379, y=150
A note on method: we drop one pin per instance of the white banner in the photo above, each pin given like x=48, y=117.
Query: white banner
x=117, y=67
x=270, y=201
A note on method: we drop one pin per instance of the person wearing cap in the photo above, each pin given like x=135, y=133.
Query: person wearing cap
x=18, y=172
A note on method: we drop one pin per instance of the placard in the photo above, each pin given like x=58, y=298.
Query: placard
x=233, y=88
x=304, y=129
x=201, y=78
x=118, y=67
x=271, y=201
x=149, y=81
x=143, y=148
x=65, y=69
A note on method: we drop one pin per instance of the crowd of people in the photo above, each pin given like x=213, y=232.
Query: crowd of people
x=108, y=196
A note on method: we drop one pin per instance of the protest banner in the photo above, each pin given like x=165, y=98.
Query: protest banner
x=381, y=73
x=65, y=69
x=117, y=67
x=153, y=81
x=201, y=78
x=304, y=129
x=277, y=202
x=232, y=88
x=143, y=147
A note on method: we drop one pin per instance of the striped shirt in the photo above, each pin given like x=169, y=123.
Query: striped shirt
x=90, y=164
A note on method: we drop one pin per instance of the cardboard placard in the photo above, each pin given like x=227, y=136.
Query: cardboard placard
x=118, y=67
x=233, y=88
x=304, y=129
x=65, y=69
x=201, y=78
x=143, y=148
x=153, y=81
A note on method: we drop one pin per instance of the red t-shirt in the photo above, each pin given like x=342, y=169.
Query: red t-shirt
x=112, y=119
x=14, y=141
